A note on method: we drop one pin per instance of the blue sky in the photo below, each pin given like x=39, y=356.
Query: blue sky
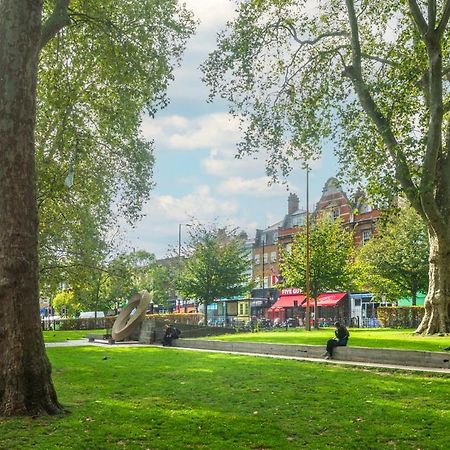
x=196, y=174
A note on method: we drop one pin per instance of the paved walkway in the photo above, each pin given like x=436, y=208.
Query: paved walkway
x=84, y=342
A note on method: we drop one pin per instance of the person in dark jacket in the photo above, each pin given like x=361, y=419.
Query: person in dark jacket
x=170, y=333
x=340, y=339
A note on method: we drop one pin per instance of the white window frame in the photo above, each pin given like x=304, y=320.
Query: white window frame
x=366, y=235
x=334, y=210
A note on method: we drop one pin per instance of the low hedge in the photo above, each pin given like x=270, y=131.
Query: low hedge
x=400, y=316
x=87, y=324
x=187, y=318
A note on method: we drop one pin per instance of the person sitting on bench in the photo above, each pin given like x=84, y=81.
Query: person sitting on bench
x=340, y=340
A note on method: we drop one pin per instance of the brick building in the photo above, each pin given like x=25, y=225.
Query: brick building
x=355, y=214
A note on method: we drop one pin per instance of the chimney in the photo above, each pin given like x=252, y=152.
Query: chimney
x=293, y=203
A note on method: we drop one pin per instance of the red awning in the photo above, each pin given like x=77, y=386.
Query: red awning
x=287, y=301
x=327, y=299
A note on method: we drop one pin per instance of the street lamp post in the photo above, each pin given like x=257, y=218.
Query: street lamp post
x=179, y=254
x=307, y=279
x=263, y=268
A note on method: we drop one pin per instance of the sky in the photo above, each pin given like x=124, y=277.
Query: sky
x=196, y=173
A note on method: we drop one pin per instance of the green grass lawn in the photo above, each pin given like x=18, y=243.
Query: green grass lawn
x=59, y=336
x=153, y=398
x=359, y=337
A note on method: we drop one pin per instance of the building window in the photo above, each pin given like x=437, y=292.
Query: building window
x=266, y=258
x=266, y=282
x=257, y=259
x=241, y=309
x=273, y=256
x=366, y=235
x=288, y=248
x=335, y=212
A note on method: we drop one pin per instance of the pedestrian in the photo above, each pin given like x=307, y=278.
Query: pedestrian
x=340, y=339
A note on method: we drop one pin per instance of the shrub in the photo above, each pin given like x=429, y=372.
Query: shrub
x=187, y=318
x=400, y=316
x=87, y=324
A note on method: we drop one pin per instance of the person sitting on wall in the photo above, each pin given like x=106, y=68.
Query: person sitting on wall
x=340, y=339
x=170, y=333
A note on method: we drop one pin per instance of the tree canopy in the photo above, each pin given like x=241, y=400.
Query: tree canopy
x=109, y=64
x=331, y=252
x=394, y=262
x=215, y=264
x=369, y=77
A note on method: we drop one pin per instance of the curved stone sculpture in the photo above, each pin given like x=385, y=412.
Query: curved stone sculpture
x=127, y=322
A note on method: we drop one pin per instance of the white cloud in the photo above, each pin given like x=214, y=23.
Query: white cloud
x=257, y=187
x=201, y=204
x=182, y=133
x=213, y=15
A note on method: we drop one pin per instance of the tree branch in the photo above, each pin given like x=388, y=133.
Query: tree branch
x=355, y=73
x=58, y=19
x=431, y=15
x=444, y=19
x=293, y=32
x=418, y=17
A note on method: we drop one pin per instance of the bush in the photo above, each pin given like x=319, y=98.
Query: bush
x=400, y=316
x=87, y=324
x=187, y=318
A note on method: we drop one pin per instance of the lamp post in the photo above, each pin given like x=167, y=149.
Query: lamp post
x=263, y=267
x=179, y=254
x=307, y=280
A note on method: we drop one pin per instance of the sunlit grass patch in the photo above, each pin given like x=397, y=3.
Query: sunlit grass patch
x=171, y=399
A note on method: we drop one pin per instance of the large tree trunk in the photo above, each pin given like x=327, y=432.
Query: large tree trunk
x=437, y=301
x=25, y=382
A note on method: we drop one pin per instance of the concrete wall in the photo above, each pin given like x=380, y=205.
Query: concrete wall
x=152, y=331
x=359, y=354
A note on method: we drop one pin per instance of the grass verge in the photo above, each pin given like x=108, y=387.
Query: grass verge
x=60, y=336
x=152, y=398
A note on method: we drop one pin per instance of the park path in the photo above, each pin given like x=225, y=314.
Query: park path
x=85, y=342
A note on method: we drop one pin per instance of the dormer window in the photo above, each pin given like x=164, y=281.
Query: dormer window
x=335, y=212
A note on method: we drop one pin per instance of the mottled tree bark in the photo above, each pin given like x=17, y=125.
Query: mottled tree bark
x=25, y=373
x=437, y=301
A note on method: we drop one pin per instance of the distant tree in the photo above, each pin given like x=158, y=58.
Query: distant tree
x=399, y=254
x=331, y=251
x=132, y=272
x=66, y=301
x=160, y=284
x=214, y=264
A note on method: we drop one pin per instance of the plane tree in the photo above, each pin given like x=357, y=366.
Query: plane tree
x=86, y=49
x=370, y=77
x=213, y=264
x=394, y=263
x=330, y=260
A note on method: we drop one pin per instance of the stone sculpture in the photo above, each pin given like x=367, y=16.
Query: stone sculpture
x=131, y=316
